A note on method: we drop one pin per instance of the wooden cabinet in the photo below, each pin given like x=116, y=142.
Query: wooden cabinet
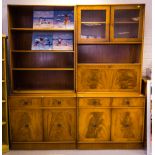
x=43, y=120
x=127, y=125
x=93, y=23
x=111, y=119
x=99, y=78
x=26, y=125
x=126, y=23
x=85, y=97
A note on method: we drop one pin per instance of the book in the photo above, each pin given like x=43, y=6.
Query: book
x=43, y=19
x=62, y=41
x=64, y=19
x=42, y=41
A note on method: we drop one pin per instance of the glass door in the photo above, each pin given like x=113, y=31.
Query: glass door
x=93, y=24
x=126, y=23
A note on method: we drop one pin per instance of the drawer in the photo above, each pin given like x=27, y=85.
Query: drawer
x=24, y=102
x=59, y=102
x=94, y=102
x=128, y=102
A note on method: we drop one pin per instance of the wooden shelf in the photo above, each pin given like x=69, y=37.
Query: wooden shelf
x=126, y=22
x=107, y=64
x=45, y=91
x=3, y=101
x=50, y=51
x=3, y=59
x=41, y=29
x=93, y=22
x=104, y=43
x=3, y=81
x=59, y=69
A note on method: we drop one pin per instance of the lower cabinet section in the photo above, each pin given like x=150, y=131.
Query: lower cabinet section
x=46, y=123
x=70, y=122
x=114, y=122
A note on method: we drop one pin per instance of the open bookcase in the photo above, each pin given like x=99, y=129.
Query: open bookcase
x=5, y=138
x=39, y=70
x=87, y=96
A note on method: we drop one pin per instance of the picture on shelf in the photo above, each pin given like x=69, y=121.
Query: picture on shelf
x=43, y=19
x=64, y=19
x=62, y=41
x=42, y=41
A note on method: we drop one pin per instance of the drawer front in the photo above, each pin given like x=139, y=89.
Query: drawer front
x=59, y=102
x=128, y=102
x=94, y=102
x=24, y=102
x=59, y=125
x=94, y=125
x=127, y=125
x=98, y=78
x=26, y=125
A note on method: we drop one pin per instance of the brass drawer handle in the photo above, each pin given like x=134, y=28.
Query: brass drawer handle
x=26, y=125
x=55, y=102
x=58, y=125
x=26, y=102
x=94, y=102
x=127, y=102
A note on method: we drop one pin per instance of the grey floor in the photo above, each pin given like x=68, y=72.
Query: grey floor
x=79, y=152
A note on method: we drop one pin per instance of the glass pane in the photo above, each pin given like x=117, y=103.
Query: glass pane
x=126, y=23
x=93, y=16
x=126, y=31
x=92, y=31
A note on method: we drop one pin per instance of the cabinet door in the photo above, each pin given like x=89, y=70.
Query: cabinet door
x=93, y=24
x=94, y=125
x=127, y=124
x=59, y=125
x=126, y=23
x=99, y=78
x=26, y=125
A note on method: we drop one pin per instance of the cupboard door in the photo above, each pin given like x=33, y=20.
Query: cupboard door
x=127, y=124
x=93, y=24
x=26, y=125
x=94, y=125
x=99, y=78
x=59, y=125
x=126, y=23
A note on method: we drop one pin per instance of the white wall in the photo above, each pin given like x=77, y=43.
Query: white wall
x=147, y=62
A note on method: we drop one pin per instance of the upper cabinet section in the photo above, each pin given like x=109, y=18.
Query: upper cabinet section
x=93, y=24
x=126, y=23
x=116, y=23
